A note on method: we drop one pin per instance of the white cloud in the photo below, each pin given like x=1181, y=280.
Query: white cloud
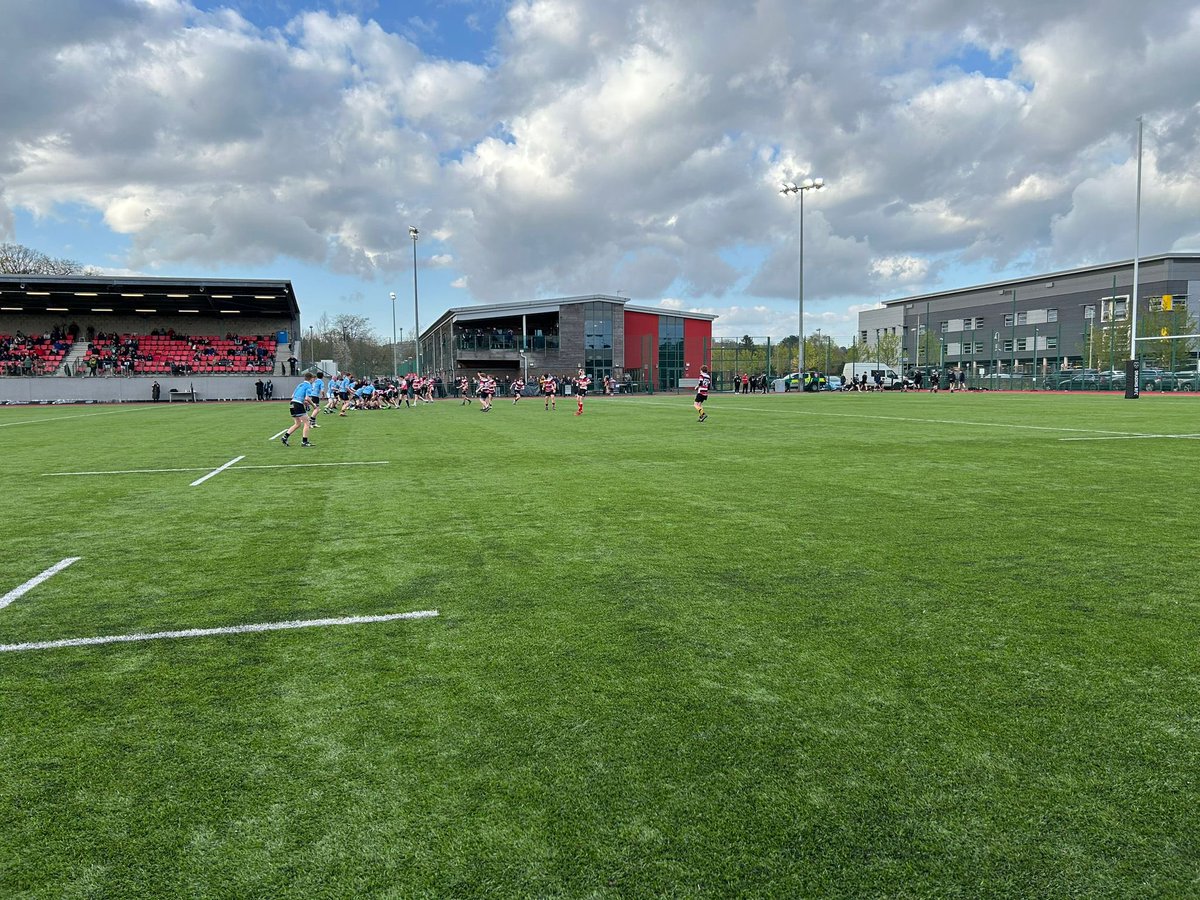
x=618, y=146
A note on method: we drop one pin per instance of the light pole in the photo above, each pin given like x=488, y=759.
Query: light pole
x=312, y=344
x=790, y=187
x=395, y=370
x=414, y=234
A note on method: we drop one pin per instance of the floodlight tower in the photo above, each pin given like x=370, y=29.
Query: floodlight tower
x=790, y=187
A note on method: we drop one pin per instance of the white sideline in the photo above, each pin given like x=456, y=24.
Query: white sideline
x=36, y=580
x=216, y=471
x=815, y=412
x=1134, y=437
x=272, y=437
x=111, y=412
x=378, y=462
x=208, y=632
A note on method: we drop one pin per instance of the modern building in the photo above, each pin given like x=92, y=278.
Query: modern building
x=1073, y=318
x=652, y=347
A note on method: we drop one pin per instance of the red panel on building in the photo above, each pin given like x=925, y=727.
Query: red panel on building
x=697, y=345
x=641, y=341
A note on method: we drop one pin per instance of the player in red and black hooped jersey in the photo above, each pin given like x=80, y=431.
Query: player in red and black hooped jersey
x=464, y=389
x=702, y=386
x=487, y=390
x=550, y=391
x=517, y=387
x=582, y=383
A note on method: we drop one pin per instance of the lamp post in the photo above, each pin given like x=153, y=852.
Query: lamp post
x=312, y=345
x=790, y=187
x=414, y=234
x=395, y=369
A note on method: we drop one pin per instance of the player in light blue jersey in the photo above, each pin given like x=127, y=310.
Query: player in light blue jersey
x=318, y=396
x=301, y=400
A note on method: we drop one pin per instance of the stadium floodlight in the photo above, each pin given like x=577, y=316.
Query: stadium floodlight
x=414, y=233
x=790, y=187
x=395, y=371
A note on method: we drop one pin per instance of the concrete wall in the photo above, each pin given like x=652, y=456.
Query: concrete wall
x=115, y=390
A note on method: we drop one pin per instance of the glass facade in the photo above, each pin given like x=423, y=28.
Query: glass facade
x=598, y=339
x=670, y=352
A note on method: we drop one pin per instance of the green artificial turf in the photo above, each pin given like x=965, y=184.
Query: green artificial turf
x=861, y=645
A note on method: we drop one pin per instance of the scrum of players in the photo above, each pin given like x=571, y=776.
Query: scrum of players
x=344, y=393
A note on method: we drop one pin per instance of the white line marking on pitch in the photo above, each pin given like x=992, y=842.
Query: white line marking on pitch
x=816, y=412
x=272, y=437
x=50, y=419
x=1134, y=437
x=380, y=462
x=207, y=632
x=216, y=471
x=125, y=472
x=36, y=580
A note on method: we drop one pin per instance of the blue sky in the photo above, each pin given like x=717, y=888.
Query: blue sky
x=553, y=147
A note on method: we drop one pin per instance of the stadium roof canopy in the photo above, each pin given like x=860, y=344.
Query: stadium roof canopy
x=80, y=295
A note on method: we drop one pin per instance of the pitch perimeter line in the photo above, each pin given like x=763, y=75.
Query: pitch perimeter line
x=208, y=632
x=272, y=437
x=50, y=419
x=36, y=580
x=380, y=462
x=1134, y=437
x=812, y=412
x=216, y=471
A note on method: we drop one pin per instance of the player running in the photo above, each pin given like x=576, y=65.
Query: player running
x=301, y=400
x=702, y=386
x=487, y=390
x=582, y=382
x=464, y=390
x=550, y=392
x=517, y=386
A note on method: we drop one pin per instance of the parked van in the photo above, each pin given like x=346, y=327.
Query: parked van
x=855, y=371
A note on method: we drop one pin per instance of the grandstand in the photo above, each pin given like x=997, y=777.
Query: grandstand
x=94, y=338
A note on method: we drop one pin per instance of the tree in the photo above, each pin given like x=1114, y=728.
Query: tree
x=17, y=259
x=747, y=342
x=887, y=349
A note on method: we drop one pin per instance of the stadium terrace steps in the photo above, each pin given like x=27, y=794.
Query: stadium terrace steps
x=74, y=357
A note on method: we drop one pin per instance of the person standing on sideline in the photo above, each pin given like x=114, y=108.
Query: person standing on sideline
x=260, y=389
x=550, y=392
x=269, y=387
x=155, y=391
x=301, y=398
x=962, y=380
x=703, y=383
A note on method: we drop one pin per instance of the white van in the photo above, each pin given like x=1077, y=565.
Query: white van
x=855, y=371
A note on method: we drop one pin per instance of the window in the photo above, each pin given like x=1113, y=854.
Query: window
x=978, y=322
x=1052, y=342
x=1022, y=318
x=1089, y=311
x=1008, y=345
x=966, y=348
x=979, y=346
x=1008, y=320
x=1023, y=344
x=1114, y=309
x=1052, y=315
x=670, y=352
x=598, y=339
x=944, y=326
x=967, y=325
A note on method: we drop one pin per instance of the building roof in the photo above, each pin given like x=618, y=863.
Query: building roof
x=1046, y=276
x=77, y=295
x=531, y=307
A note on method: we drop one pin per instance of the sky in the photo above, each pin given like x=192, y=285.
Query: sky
x=552, y=148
